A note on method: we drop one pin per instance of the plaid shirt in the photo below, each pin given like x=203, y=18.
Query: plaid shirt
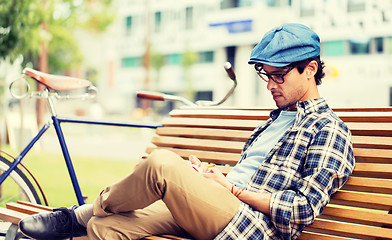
x=312, y=160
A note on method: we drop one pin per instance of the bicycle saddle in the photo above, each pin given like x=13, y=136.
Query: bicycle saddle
x=57, y=82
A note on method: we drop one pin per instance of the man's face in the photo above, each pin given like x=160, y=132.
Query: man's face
x=296, y=87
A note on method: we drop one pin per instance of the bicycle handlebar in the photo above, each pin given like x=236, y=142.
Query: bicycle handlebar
x=151, y=95
x=156, y=96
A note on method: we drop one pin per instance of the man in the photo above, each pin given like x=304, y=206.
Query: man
x=288, y=169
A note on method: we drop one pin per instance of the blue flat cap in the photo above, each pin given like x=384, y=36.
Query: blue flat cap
x=288, y=43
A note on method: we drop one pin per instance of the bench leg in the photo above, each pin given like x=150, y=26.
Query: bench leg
x=13, y=233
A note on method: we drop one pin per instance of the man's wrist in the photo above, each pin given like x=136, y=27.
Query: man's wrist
x=236, y=191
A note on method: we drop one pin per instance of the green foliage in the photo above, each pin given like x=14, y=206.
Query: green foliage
x=189, y=58
x=157, y=60
x=22, y=24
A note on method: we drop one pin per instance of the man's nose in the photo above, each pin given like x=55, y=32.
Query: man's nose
x=271, y=84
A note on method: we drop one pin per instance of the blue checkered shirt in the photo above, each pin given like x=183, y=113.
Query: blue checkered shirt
x=312, y=160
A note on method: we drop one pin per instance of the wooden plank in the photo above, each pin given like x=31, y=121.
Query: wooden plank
x=221, y=114
x=307, y=235
x=212, y=123
x=364, y=184
x=24, y=208
x=370, y=129
x=373, y=155
x=374, y=169
x=36, y=205
x=354, y=229
x=263, y=114
x=372, y=142
x=359, y=216
x=205, y=156
x=11, y=216
x=222, y=134
x=163, y=237
x=198, y=144
x=362, y=199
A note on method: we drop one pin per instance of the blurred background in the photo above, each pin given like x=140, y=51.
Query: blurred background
x=178, y=47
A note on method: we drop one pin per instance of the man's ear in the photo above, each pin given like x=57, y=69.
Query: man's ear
x=311, y=69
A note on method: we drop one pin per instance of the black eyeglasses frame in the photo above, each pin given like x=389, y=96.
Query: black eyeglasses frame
x=277, y=78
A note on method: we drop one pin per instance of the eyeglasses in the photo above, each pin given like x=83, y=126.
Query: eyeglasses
x=276, y=77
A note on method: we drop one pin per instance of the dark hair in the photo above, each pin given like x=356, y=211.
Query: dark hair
x=301, y=65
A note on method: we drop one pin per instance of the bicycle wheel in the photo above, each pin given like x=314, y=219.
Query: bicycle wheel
x=17, y=187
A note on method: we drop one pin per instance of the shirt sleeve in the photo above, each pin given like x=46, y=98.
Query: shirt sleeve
x=329, y=162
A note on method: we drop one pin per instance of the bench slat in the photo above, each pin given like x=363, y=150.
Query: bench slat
x=352, y=229
x=370, y=129
x=372, y=142
x=363, y=184
x=360, y=216
x=373, y=169
x=212, y=123
x=199, y=144
x=224, y=134
x=24, y=208
x=373, y=155
x=362, y=199
x=205, y=156
x=319, y=236
x=11, y=216
x=163, y=237
x=264, y=115
x=39, y=206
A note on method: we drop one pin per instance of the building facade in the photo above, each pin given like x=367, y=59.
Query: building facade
x=180, y=47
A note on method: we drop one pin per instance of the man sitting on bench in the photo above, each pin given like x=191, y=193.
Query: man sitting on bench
x=288, y=169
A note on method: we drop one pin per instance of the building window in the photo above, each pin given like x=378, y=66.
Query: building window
x=173, y=59
x=128, y=62
x=356, y=5
x=334, y=48
x=206, y=57
x=388, y=47
x=230, y=53
x=390, y=96
x=189, y=18
x=360, y=46
x=379, y=44
x=128, y=24
x=203, y=96
x=225, y=4
x=157, y=21
x=307, y=8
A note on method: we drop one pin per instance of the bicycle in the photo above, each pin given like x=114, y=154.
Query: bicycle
x=16, y=181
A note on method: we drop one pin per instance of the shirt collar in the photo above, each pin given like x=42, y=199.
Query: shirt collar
x=305, y=107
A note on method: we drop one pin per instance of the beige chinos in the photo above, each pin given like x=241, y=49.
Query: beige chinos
x=132, y=208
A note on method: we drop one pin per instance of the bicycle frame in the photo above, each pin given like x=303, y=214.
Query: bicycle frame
x=56, y=121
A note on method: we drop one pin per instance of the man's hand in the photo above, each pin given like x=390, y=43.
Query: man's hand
x=211, y=173
x=259, y=201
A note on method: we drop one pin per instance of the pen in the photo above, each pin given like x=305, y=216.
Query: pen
x=208, y=166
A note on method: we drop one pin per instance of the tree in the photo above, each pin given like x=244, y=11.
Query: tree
x=189, y=58
x=20, y=22
x=21, y=29
x=42, y=31
x=157, y=62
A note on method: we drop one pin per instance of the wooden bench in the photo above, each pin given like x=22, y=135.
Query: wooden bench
x=361, y=210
